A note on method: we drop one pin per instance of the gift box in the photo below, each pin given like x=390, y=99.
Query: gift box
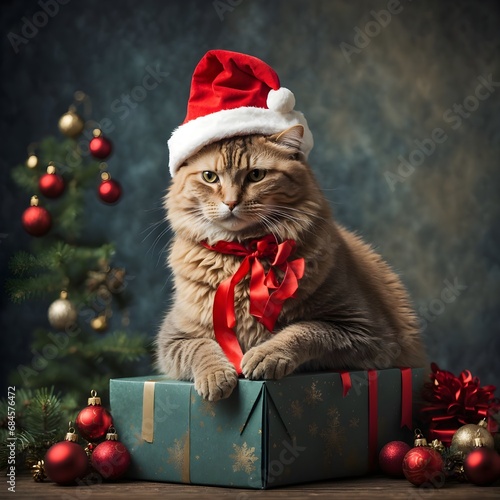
x=268, y=433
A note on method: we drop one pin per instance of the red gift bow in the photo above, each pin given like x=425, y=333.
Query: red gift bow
x=456, y=401
x=267, y=294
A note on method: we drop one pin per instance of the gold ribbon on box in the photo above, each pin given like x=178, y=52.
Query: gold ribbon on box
x=148, y=411
x=179, y=453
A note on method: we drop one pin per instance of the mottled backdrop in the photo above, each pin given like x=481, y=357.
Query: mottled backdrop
x=403, y=99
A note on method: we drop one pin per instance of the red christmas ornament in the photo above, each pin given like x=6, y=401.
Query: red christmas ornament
x=110, y=458
x=99, y=146
x=66, y=461
x=109, y=190
x=482, y=466
x=94, y=420
x=51, y=184
x=36, y=220
x=391, y=458
x=423, y=465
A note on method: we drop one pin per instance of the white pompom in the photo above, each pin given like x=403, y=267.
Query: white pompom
x=281, y=100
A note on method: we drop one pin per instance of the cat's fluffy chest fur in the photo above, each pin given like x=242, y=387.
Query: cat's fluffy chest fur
x=350, y=310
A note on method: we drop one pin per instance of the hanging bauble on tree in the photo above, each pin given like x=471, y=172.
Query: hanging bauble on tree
x=464, y=438
x=423, y=465
x=99, y=323
x=36, y=220
x=391, y=458
x=100, y=147
x=65, y=462
x=71, y=124
x=109, y=190
x=32, y=161
x=94, y=420
x=51, y=184
x=62, y=313
x=111, y=458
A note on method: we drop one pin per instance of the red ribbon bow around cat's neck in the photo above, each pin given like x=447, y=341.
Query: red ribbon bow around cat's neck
x=267, y=293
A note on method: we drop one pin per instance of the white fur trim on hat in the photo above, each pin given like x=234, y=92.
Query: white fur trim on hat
x=189, y=138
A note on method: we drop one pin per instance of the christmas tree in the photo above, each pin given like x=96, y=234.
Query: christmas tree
x=86, y=340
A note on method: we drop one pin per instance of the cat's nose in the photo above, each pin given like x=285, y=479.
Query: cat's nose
x=231, y=204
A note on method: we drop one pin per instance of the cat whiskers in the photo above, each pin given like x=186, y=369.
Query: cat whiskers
x=151, y=229
x=285, y=209
x=279, y=216
x=269, y=225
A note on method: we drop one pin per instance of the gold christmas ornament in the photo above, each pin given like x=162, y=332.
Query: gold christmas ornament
x=469, y=436
x=62, y=313
x=100, y=323
x=71, y=124
x=32, y=161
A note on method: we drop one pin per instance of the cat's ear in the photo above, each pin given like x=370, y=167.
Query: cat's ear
x=291, y=137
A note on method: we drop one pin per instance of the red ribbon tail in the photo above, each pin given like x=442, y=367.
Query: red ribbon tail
x=224, y=318
x=372, y=418
x=406, y=398
x=346, y=382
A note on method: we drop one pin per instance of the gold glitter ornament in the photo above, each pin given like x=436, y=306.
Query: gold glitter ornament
x=465, y=438
x=71, y=124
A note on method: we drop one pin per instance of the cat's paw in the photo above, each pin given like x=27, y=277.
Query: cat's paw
x=263, y=363
x=216, y=385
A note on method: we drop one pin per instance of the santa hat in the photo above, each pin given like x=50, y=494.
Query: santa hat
x=233, y=94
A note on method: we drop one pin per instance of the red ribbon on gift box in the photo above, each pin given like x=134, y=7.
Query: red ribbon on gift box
x=455, y=401
x=406, y=406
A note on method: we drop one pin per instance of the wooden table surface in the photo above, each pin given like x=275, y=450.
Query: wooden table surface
x=359, y=488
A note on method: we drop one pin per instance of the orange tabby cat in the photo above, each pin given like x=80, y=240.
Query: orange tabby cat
x=350, y=310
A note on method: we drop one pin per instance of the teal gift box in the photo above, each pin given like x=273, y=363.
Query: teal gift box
x=268, y=433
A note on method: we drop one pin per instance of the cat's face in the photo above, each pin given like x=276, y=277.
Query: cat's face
x=243, y=188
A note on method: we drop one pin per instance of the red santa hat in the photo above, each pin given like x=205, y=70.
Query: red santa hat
x=233, y=94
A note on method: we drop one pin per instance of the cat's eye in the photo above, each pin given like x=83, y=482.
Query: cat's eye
x=256, y=175
x=210, y=176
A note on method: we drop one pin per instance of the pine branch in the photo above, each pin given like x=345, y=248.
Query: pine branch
x=40, y=422
x=59, y=266
x=23, y=289
x=26, y=178
x=120, y=346
x=44, y=416
x=23, y=263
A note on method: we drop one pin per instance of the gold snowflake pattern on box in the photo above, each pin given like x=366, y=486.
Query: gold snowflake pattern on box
x=207, y=408
x=296, y=409
x=313, y=429
x=176, y=454
x=243, y=458
x=333, y=434
x=313, y=395
x=354, y=423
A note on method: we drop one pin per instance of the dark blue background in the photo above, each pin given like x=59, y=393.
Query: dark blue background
x=438, y=223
